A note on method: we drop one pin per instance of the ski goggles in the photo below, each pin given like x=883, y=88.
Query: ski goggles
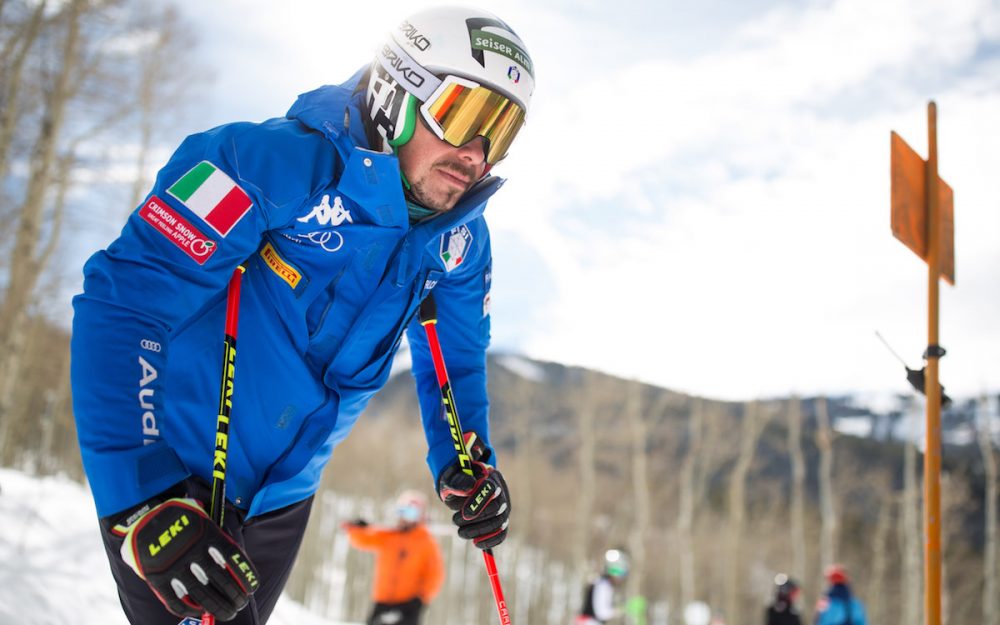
x=460, y=110
x=410, y=514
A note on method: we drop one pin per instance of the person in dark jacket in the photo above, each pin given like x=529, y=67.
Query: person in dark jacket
x=783, y=610
x=342, y=216
x=599, y=604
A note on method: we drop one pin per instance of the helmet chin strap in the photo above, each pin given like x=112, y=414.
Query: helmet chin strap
x=409, y=122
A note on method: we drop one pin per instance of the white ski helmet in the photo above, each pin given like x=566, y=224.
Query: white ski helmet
x=616, y=563
x=465, y=71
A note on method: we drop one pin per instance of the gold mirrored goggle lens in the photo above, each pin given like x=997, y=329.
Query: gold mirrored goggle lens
x=463, y=113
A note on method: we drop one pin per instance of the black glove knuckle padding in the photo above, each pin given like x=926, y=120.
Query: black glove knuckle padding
x=182, y=553
x=480, y=502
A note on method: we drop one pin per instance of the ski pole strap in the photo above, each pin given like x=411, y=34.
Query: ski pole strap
x=934, y=351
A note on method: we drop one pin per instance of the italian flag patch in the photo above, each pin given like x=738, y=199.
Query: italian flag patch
x=213, y=196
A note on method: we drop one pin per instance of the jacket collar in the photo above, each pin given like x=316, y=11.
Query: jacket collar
x=334, y=111
x=372, y=178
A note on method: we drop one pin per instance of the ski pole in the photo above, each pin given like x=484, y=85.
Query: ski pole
x=891, y=350
x=218, y=503
x=428, y=319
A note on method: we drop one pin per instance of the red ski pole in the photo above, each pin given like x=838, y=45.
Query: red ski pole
x=218, y=504
x=428, y=319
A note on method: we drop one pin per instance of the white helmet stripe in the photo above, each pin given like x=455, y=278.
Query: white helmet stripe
x=407, y=72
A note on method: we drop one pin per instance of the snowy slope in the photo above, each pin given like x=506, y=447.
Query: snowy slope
x=53, y=570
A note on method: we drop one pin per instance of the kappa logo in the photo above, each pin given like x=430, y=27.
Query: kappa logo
x=454, y=246
x=327, y=215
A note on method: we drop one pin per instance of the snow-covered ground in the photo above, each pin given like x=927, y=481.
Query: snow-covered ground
x=53, y=570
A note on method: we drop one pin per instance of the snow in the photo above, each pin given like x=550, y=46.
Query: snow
x=878, y=402
x=402, y=362
x=53, y=569
x=522, y=367
x=854, y=426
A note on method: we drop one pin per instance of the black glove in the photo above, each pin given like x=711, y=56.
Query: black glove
x=481, y=501
x=188, y=561
x=359, y=522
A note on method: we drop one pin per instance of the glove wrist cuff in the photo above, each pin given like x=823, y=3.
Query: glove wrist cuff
x=120, y=523
x=131, y=518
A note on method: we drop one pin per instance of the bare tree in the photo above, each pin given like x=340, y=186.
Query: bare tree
x=797, y=511
x=13, y=57
x=641, y=493
x=911, y=547
x=990, y=589
x=588, y=480
x=525, y=402
x=70, y=71
x=28, y=253
x=688, y=500
x=828, y=511
x=880, y=561
x=737, y=505
x=158, y=84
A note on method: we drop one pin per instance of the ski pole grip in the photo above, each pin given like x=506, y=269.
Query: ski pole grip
x=428, y=310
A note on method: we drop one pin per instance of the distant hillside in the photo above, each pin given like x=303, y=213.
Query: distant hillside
x=872, y=428
x=536, y=420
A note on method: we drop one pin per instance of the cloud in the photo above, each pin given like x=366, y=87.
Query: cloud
x=700, y=196
x=720, y=224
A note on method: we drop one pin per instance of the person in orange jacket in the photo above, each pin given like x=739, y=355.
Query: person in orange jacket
x=409, y=570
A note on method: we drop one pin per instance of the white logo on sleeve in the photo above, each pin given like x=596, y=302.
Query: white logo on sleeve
x=327, y=215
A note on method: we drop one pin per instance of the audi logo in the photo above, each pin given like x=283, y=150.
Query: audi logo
x=147, y=344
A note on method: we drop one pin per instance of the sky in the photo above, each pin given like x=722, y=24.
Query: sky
x=700, y=197
x=53, y=570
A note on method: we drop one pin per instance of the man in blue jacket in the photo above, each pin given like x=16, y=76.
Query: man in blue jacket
x=839, y=606
x=346, y=213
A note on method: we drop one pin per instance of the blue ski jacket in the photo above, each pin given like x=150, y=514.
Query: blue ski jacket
x=335, y=273
x=840, y=607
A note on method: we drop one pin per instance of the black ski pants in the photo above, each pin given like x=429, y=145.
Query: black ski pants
x=271, y=541
x=406, y=613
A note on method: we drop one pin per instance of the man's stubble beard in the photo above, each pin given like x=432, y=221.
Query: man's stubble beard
x=418, y=189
